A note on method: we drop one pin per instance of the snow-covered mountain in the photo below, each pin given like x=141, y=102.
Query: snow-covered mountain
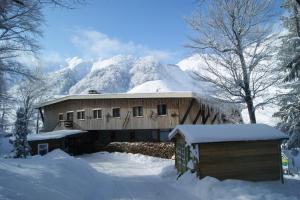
x=63, y=79
x=127, y=74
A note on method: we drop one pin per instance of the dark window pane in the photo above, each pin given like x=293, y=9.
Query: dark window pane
x=141, y=111
x=70, y=116
x=116, y=112
x=137, y=111
x=95, y=114
x=61, y=117
x=162, y=109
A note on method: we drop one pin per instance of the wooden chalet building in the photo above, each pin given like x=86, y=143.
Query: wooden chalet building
x=128, y=117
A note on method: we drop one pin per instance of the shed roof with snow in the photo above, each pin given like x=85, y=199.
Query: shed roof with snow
x=53, y=135
x=226, y=133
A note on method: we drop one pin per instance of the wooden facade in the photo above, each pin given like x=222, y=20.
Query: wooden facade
x=179, y=111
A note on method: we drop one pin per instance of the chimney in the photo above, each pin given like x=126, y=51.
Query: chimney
x=93, y=92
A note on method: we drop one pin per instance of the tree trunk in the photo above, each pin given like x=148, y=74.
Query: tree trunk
x=251, y=110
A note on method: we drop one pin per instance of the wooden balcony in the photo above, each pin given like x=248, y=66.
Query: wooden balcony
x=65, y=124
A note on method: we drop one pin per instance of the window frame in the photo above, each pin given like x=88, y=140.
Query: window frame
x=68, y=112
x=97, y=109
x=138, y=111
x=80, y=111
x=158, y=110
x=39, y=148
x=112, y=112
x=60, y=114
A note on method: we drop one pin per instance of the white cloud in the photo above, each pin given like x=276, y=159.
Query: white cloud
x=95, y=44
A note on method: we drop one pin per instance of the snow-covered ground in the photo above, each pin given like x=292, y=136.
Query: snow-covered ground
x=123, y=176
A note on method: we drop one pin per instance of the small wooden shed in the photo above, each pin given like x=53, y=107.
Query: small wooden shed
x=229, y=151
x=72, y=141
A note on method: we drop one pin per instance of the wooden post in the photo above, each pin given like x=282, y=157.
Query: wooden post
x=187, y=111
x=198, y=115
x=37, y=122
x=42, y=116
x=214, y=119
x=280, y=163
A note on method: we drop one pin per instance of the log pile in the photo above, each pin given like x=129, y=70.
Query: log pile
x=158, y=149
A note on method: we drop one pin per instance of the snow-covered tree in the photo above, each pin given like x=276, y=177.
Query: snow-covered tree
x=28, y=94
x=20, y=143
x=289, y=56
x=234, y=38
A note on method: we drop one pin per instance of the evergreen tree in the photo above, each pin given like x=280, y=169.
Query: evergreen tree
x=21, y=146
x=289, y=57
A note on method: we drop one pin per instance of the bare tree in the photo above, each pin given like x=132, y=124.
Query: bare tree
x=234, y=39
x=29, y=94
x=20, y=30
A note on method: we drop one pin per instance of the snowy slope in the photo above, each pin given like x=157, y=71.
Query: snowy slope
x=110, y=75
x=144, y=74
x=69, y=74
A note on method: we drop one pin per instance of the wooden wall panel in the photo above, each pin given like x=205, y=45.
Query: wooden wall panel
x=251, y=160
x=150, y=120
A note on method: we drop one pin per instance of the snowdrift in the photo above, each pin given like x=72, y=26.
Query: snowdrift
x=53, y=176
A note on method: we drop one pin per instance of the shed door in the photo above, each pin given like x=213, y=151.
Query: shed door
x=182, y=157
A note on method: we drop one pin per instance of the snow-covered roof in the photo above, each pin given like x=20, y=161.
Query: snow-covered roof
x=184, y=94
x=53, y=135
x=226, y=133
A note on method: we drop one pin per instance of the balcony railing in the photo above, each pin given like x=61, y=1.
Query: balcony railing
x=65, y=124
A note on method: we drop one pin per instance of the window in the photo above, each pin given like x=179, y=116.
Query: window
x=60, y=116
x=70, y=116
x=43, y=148
x=162, y=109
x=97, y=114
x=116, y=112
x=137, y=111
x=81, y=115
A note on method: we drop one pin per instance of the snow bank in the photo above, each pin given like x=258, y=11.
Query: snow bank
x=5, y=146
x=127, y=163
x=210, y=188
x=226, y=132
x=54, y=176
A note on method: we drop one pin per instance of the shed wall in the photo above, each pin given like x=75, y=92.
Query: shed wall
x=248, y=160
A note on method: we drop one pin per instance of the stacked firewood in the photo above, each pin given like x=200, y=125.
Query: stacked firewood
x=157, y=149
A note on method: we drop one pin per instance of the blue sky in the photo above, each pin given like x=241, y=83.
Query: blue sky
x=132, y=26
x=104, y=28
